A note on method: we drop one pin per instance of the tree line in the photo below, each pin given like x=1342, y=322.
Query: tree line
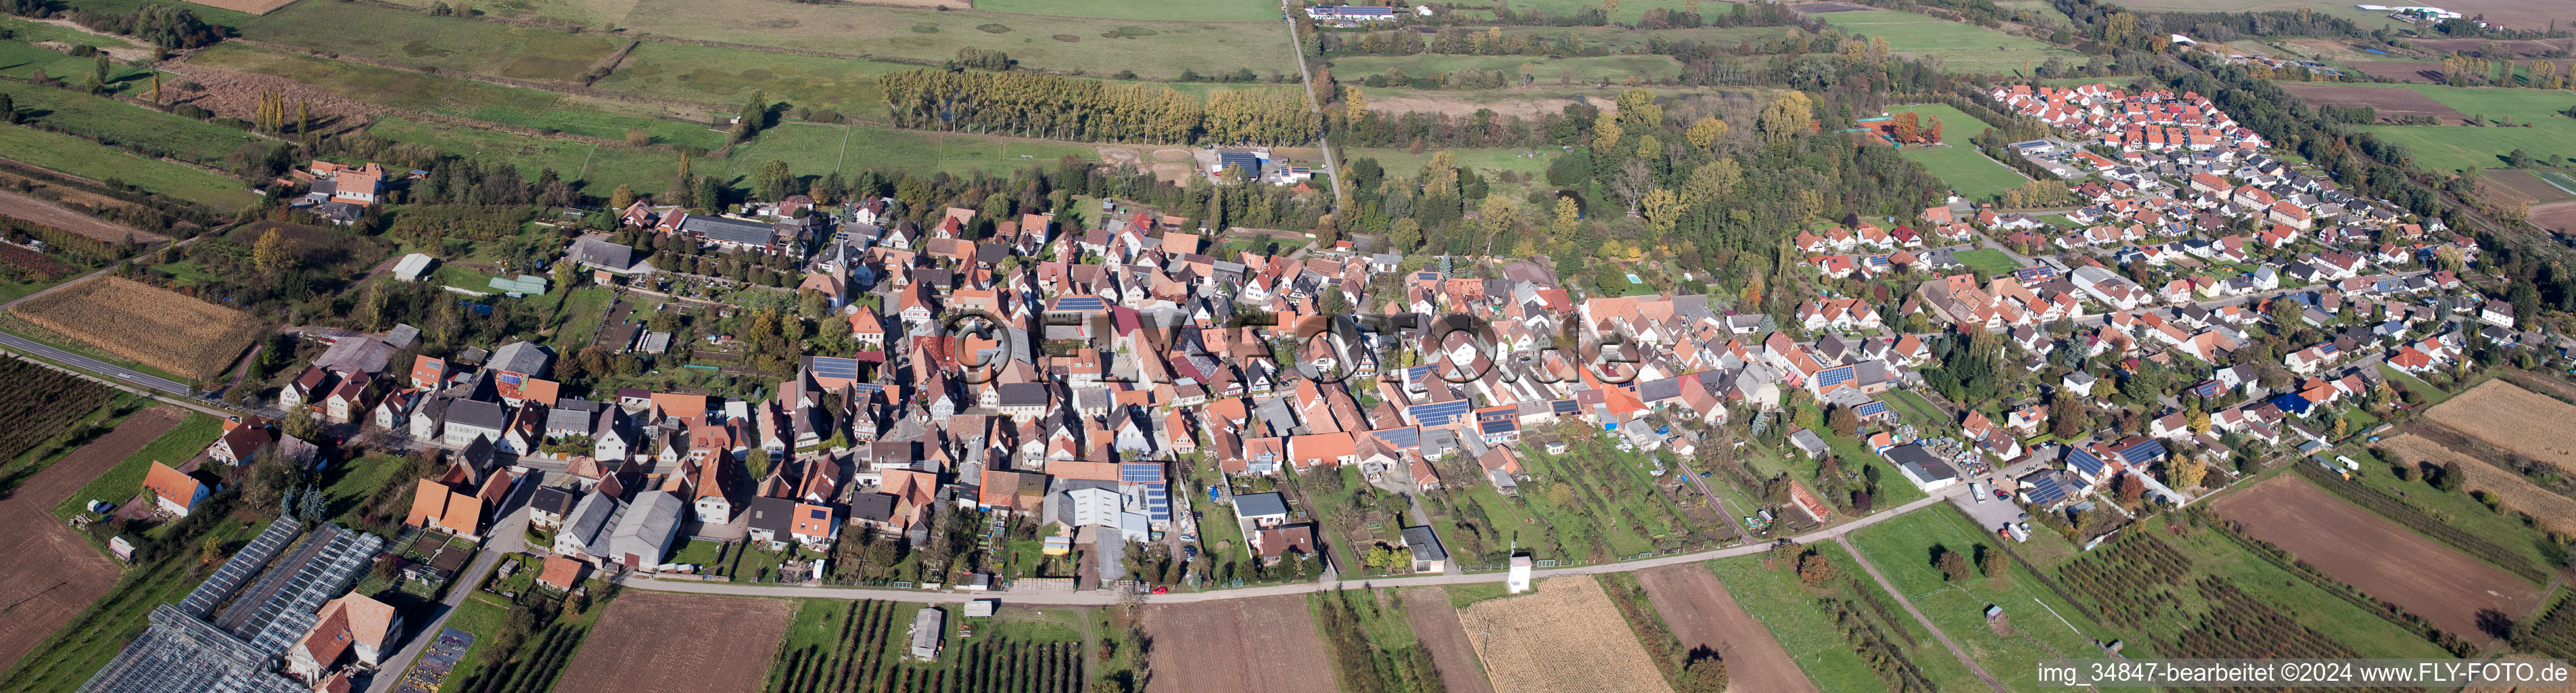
x=1031, y=104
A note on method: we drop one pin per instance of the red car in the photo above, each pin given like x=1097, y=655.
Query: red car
x=1159, y=589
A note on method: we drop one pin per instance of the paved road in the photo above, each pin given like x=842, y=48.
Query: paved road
x=1105, y=597
x=1918, y=615
x=78, y=361
x=505, y=538
x=1332, y=172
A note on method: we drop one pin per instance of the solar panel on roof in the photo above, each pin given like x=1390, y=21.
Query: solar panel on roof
x=1439, y=413
x=828, y=367
x=2084, y=461
x=1407, y=437
x=2144, y=452
x=1873, y=408
x=1080, y=303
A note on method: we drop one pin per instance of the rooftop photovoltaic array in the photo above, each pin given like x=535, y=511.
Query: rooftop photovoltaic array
x=1440, y=413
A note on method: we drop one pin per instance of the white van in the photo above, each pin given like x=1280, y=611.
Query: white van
x=1977, y=490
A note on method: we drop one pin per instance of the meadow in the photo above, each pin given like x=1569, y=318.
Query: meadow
x=1629, y=12
x=808, y=149
x=88, y=159
x=465, y=98
x=23, y=60
x=2039, y=625
x=1987, y=261
x=1798, y=618
x=1148, y=10
x=1963, y=167
x=1636, y=41
x=447, y=43
x=1960, y=47
x=1613, y=68
x=727, y=76
x=120, y=123
x=2539, y=126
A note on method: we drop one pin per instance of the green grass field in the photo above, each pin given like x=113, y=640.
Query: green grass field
x=88, y=159
x=1398, y=162
x=1975, y=177
x=460, y=97
x=1956, y=125
x=2456, y=147
x=2430, y=395
x=1987, y=261
x=2315, y=608
x=727, y=76
x=1961, y=47
x=1609, y=67
x=31, y=31
x=446, y=43
x=122, y=481
x=1148, y=10
x=1916, y=410
x=1804, y=628
x=1625, y=41
x=1629, y=11
x=116, y=121
x=2042, y=626
x=21, y=59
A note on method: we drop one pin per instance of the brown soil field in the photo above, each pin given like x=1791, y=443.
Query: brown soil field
x=2518, y=14
x=235, y=93
x=36, y=209
x=2556, y=216
x=1435, y=623
x=2552, y=509
x=1249, y=645
x=1461, y=108
x=1566, y=637
x=632, y=648
x=2509, y=417
x=1703, y=614
x=1172, y=154
x=2391, y=101
x=2529, y=189
x=52, y=574
x=159, y=328
x=2384, y=560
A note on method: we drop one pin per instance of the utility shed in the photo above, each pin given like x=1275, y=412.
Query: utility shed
x=411, y=267
x=928, y=630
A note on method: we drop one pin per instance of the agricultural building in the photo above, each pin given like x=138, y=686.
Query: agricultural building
x=929, y=627
x=643, y=535
x=412, y=267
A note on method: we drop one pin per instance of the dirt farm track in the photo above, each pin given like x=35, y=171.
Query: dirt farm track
x=2402, y=567
x=1703, y=614
x=635, y=647
x=38, y=596
x=1257, y=645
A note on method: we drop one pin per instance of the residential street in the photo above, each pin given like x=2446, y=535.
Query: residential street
x=1105, y=598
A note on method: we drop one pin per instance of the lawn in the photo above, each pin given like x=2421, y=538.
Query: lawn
x=1149, y=10
x=2044, y=626
x=727, y=76
x=88, y=159
x=1987, y=261
x=1916, y=410
x=417, y=39
x=809, y=150
x=1893, y=489
x=2424, y=391
x=30, y=31
x=1962, y=48
x=581, y=316
x=2455, y=147
x=482, y=618
x=1976, y=177
x=122, y=481
x=1806, y=629
x=351, y=482
x=1614, y=68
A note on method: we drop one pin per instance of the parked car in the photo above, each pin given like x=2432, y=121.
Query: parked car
x=100, y=506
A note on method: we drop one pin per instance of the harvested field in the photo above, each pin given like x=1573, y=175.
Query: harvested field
x=36, y=209
x=2518, y=420
x=1565, y=637
x=2527, y=188
x=631, y=649
x=1703, y=614
x=2442, y=585
x=235, y=93
x=1435, y=623
x=2390, y=101
x=2556, y=511
x=2556, y=216
x=250, y=6
x=2418, y=71
x=1250, y=645
x=53, y=574
x=183, y=336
